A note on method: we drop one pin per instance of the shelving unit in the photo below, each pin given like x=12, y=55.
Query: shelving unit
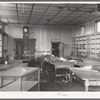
x=87, y=45
x=79, y=45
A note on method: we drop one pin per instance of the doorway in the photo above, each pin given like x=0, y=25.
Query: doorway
x=55, y=49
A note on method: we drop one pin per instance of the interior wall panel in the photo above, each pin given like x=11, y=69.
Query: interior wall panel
x=10, y=47
x=44, y=35
x=89, y=27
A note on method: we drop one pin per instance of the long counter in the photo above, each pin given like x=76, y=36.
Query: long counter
x=94, y=61
x=89, y=61
x=15, y=63
x=11, y=76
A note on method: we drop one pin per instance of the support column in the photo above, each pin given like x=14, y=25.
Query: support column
x=71, y=78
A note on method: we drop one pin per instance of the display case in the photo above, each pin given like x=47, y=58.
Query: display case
x=19, y=79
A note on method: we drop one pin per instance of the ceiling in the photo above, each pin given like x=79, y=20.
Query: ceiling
x=47, y=14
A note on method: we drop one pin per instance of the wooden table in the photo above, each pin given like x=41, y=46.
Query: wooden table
x=89, y=77
x=50, y=67
x=86, y=76
x=17, y=80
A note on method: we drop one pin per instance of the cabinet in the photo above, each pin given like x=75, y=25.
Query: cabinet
x=79, y=45
x=24, y=49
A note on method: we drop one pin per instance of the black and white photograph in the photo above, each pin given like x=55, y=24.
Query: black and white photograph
x=50, y=47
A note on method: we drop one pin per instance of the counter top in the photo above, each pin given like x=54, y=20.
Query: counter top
x=15, y=63
x=88, y=58
x=60, y=64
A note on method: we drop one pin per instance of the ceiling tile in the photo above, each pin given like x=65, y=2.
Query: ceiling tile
x=24, y=6
x=58, y=14
x=8, y=4
x=90, y=6
x=75, y=5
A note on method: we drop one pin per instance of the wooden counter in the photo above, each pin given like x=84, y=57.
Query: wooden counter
x=15, y=63
x=60, y=64
x=86, y=76
x=93, y=61
x=50, y=68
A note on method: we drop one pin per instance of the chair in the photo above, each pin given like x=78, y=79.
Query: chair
x=62, y=75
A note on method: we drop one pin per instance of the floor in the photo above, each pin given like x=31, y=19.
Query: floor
x=62, y=86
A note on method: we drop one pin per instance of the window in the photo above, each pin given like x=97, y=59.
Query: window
x=82, y=30
x=0, y=45
x=98, y=26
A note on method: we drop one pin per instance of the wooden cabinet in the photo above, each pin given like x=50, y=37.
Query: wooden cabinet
x=24, y=48
x=49, y=71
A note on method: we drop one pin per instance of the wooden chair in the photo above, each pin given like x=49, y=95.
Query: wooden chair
x=62, y=75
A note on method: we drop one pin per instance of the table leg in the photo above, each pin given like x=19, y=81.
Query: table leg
x=20, y=83
x=86, y=85
x=38, y=86
x=1, y=82
x=38, y=80
x=71, y=79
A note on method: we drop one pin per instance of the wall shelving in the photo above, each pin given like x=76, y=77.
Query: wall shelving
x=87, y=45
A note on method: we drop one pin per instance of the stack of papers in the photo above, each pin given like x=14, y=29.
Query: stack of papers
x=88, y=67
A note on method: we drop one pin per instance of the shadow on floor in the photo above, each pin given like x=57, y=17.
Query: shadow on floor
x=62, y=86
x=59, y=86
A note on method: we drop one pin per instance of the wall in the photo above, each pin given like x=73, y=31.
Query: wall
x=89, y=28
x=92, y=40
x=44, y=35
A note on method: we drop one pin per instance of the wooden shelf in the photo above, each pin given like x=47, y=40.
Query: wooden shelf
x=89, y=43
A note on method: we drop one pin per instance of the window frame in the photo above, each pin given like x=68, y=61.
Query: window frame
x=82, y=33
x=96, y=22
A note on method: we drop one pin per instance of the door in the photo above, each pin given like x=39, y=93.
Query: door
x=55, y=49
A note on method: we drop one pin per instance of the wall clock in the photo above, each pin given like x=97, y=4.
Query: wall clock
x=25, y=29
